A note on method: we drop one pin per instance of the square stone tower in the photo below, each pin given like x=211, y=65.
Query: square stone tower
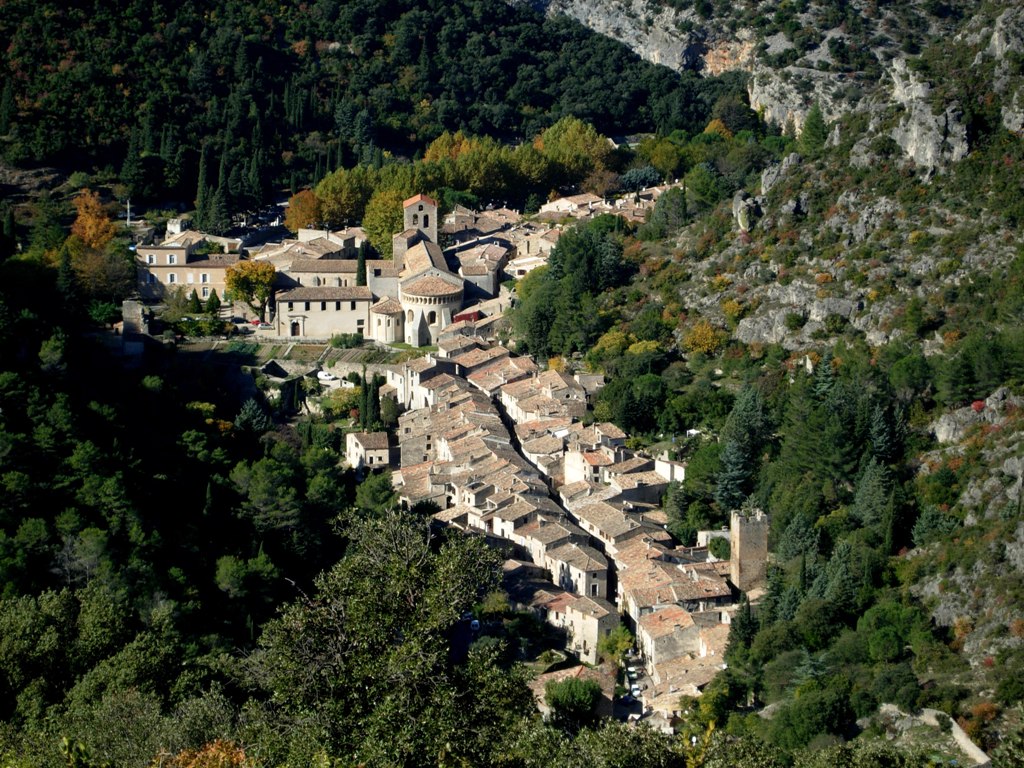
x=421, y=214
x=748, y=549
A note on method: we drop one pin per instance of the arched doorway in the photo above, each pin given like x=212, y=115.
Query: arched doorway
x=296, y=328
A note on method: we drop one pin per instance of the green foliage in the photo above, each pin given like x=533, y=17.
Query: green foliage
x=573, y=702
x=375, y=495
x=814, y=132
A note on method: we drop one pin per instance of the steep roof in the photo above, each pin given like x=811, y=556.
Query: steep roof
x=422, y=257
x=419, y=199
x=431, y=286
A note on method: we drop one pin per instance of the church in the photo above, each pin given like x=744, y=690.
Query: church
x=410, y=299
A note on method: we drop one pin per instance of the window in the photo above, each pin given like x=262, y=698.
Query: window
x=352, y=305
x=323, y=306
x=432, y=317
x=206, y=292
x=172, y=259
x=172, y=278
x=426, y=221
x=416, y=219
x=204, y=277
x=337, y=282
x=376, y=272
x=337, y=306
x=593, y=590
x=378, y=322
x=291, y=306
x=190, y=278
x=360, y=323
x=306, y=306
x=150, y=258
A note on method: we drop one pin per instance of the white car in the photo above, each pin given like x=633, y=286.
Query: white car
x=326, y=376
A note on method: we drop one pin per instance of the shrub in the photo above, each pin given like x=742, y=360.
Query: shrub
x=347, y=340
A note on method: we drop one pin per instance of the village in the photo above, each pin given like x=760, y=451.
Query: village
x=501, y=448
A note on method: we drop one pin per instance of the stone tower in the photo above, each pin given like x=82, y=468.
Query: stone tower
x=421, y=214
x=748, y=549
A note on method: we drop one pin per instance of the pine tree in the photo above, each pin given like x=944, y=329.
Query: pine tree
x=873, y=495
x=361, y=263
x=814, y=133
x=67, y=281
x=194, y=305
x=824, y=377
x=732, y=477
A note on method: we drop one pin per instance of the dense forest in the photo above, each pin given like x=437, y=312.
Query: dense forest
x=250, y=98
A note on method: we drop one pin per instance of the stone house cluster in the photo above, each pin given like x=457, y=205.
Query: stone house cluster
x=601, y=551
x=634, y=207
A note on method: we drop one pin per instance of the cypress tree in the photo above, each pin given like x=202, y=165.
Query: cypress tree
x=131, y=169
x=361, y=263
x=8, y=242
x=218, y=219
x=202, y=192
x=213, y=302
x=7, y=108
x=194, y=305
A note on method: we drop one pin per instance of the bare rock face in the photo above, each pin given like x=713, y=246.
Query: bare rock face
x=771, y=175
x=675, y=39
x=785, y=96
x=929, y=140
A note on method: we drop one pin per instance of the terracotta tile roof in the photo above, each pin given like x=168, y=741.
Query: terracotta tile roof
x=213, y=260
x=546, y=444
x=666, y=621
x=339, y=266
x=387, y=306
x=372, y=441
x=597, y=459
x=609, y=430
x=423, y=256
x=580, y=556
x=421, y=198
x=326, y=293
x=595, y=607
x=431, y=286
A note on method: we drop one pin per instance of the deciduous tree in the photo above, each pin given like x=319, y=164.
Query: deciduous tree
x=253, y=282
x=92, y=225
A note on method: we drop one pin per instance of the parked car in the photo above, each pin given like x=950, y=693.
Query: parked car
x=265, y=327
x=636, y=692
x=326, y=376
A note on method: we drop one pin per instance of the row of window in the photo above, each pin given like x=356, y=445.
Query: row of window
x=172, y=279
x=190, y=278
x=323, y=306
x=172, y=259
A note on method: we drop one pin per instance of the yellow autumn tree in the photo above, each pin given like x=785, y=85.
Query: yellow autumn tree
x=303, y=210
x=702, y=339
x=92, y=226
x=216, y=754
x=717, y=126
x=252, y=282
